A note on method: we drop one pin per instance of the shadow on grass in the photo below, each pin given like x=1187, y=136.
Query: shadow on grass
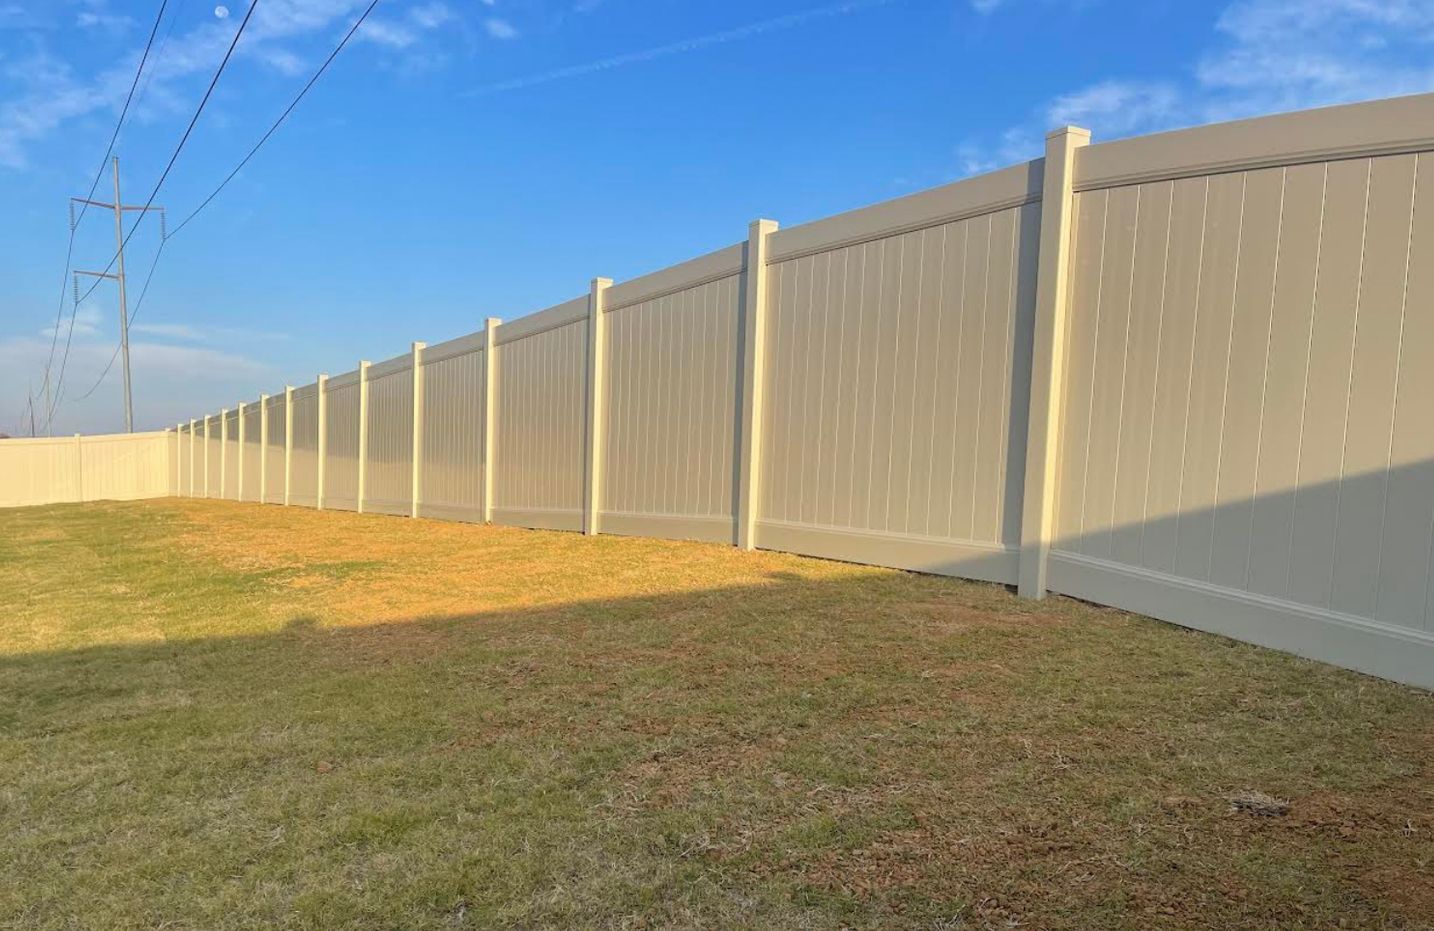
x=875, y=749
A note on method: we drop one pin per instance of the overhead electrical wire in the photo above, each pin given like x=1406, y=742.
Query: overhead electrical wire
x=164, y=175
x=282, y=117
x=230, y=177
x=94, y=185
x=149, y=202
x=138, y=304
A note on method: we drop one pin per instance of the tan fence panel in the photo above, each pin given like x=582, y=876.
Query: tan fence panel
x=896, y=396
x=252, y=475
x=389, y=470
x=274, y=451
x=304, y=462
x=671, y=412
x=1247, y=442
x=453, y=405
x=125, y=467
x=181, y=462
x=341, y=465
x=190, y=474
x=119, y=467
x=541, y=372
x=213, y=450
x=232, y=454
x=196, y=458
x=39, y=471
x=172, y=441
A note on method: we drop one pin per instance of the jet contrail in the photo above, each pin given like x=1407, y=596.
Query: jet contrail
x=788, y=21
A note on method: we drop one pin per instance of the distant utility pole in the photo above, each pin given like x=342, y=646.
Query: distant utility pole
x=119, y=210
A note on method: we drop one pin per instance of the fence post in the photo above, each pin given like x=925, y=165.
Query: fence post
x=263, y=449
x=206, y=455
x=363, y=435
x=597, y=407
x=323, y=383
x=223, y=448
x=754, y=360
x=288, y=441
x=1048, y=357
x=191, y=457
x=79, y=469
x=239, y=451
x=490, y=412
x=417, y=490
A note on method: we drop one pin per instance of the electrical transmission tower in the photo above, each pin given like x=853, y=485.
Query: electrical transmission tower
x=118, y=276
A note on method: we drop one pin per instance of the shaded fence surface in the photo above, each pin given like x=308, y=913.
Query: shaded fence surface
x=1189, y=374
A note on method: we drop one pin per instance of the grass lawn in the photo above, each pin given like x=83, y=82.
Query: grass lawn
x=216, y=715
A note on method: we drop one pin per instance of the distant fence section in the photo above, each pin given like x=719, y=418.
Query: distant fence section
x=1188, y=374
x=57, y=470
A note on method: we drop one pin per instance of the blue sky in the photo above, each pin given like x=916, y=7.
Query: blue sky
x=467, y=158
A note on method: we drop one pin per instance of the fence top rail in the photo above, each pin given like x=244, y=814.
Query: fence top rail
x=390, y=366
x=346, y=380
x=723, y=263
x=1399, y=124
x=971, y=197
x=303, y=392
x=459, y=346
x=69, y=439
x=561, y=315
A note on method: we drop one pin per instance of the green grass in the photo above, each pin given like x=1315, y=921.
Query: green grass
x=220, y=716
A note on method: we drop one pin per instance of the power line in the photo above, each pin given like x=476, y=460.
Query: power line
x=282, y=117
x=183, y=139
x=173, y=21
x=230, y=177
x=94, y=186
x=149, y=202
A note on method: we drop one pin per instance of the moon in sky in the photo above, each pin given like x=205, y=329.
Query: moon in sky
x=221, y=12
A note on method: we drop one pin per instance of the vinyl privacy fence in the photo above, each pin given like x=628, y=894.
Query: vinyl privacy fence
x=1189, y=374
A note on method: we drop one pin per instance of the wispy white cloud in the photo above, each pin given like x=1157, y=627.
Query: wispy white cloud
x=95, y=19
x=87, y=324
x=500, y=28
x=387, y=32
x=1262, y=56
x=170, y=382
x=1120, y=107
x=431, y=15
x=185, y=332
x=180, y=331
x=789, y=21
x=45, y=93
x=192, y=362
